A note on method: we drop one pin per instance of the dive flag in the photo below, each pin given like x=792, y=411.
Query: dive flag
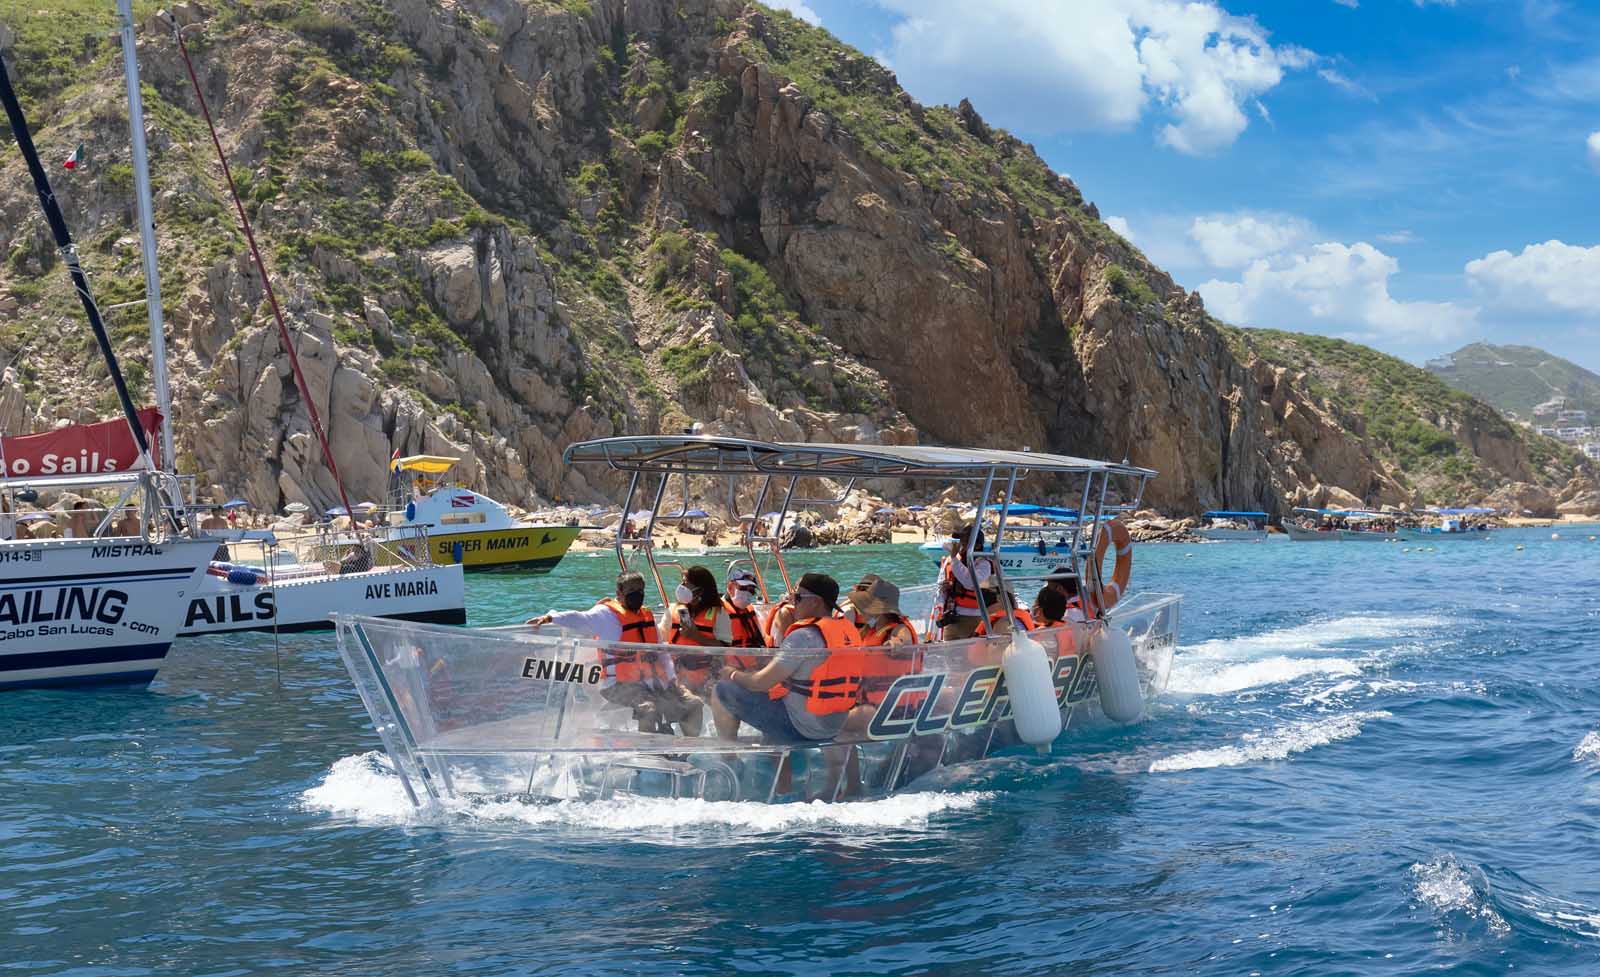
x=76, y=159
x=394, y=461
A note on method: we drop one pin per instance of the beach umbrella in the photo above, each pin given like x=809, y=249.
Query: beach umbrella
x=884, y=511
x=366, y=506
x=916, y=508
x=297, y=507
x=33, y=517
x=639, y=515
x=235, y=504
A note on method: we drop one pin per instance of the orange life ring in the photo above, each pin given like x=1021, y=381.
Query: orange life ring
x=1114, y=589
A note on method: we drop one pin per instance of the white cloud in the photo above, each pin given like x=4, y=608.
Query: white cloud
x=1593, y=143
x=1402, y=236
x=1345, y=83
x=1235, y=240
x=1120, y=225
x=1552, y=275
x=1093, y=64
x=1336, y=288
x=1352, y=4
x=799, y=9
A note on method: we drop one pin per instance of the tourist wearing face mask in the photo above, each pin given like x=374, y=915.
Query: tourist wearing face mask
x=641, y=680
x=743, y=625
x=698, y=618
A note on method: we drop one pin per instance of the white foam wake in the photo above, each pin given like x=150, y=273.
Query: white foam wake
x=366, y=789
x=1273, y=744
x=1588, y=748
x=1203, y=677
x=1314, y=636
x=1446, y=886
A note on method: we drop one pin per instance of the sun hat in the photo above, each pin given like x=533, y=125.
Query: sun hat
x=874, y=595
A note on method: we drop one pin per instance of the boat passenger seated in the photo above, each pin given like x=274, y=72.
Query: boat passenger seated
x=353, y=558
x=698, y=618
x=643, y=681
x=893, y=640
x=805, y=693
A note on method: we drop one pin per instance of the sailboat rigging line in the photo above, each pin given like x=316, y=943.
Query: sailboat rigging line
x=69, y=257
x=266, y=282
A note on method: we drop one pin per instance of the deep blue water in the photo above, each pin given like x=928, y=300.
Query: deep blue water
x=1369, y=761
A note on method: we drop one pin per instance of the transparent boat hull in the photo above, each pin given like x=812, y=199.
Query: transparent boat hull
x=514, y=711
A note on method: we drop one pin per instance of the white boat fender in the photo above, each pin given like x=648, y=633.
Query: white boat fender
x=1121, y=697
x=1032, y=691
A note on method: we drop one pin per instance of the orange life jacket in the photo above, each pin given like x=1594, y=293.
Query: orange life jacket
x=880, y=670
x=1066, y=642
x=773, y=640
x=955, y=589
x=747, y=633
x=1023, y=618
x=638, y=627
x=835, y=684
x=693, y=667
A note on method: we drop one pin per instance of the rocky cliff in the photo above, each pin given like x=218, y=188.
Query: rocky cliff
x=502, y=225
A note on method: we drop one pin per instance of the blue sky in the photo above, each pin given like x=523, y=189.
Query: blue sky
x=1412, y=174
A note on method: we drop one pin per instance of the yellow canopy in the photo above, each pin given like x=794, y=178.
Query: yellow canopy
x=431, y=464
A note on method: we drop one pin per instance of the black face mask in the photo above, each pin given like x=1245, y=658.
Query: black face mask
x=633, y=600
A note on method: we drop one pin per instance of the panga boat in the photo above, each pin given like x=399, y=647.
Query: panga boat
x=471, y=529
x=472, y=712
x=1331, y=525
x=1223, y=525
x=1039, y=548
x=1452, y=524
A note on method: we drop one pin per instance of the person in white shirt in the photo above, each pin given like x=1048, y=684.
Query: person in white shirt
x=642, y=680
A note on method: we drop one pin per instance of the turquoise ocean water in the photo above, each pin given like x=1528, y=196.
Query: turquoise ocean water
x=1369, y=761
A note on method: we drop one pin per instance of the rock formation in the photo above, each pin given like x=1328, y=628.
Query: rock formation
x=500, y=226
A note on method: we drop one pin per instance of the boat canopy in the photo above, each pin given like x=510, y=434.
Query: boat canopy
x=427, y=464
x=710, y=455
x=1227, y=514
x=1469, y=511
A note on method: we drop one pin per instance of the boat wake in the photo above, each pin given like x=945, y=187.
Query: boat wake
x=364, y=788
x=1274, y=744
x=1588, y=750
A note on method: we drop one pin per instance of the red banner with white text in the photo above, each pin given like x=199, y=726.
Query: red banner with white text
x=80, y=449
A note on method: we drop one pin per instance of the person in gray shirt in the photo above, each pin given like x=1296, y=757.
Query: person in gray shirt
x=742, y=696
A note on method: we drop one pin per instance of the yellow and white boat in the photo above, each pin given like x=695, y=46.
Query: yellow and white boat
x=471, y=529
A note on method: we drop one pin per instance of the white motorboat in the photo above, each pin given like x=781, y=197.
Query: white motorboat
x=103, y=608
x=1235, y=527
x=466, y=713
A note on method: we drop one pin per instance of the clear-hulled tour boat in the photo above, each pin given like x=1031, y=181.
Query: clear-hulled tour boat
x=470, y=712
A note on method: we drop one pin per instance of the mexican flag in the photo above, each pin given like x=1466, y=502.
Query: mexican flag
x=76, y=159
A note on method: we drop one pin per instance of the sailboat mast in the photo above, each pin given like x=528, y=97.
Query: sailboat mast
x=147, y=236
x=69, y=257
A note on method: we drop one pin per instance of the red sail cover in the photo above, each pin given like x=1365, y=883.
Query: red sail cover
x=80, y=449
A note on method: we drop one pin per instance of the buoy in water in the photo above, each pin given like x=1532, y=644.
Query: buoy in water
x=1405, y=549
x=1121, y=698
x=1033, y=693
x=1555, y=535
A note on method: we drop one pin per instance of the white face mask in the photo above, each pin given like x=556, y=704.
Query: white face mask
x=743, y=599
x=685, y=593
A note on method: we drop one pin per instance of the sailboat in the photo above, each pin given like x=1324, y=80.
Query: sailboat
x=100, y=608
x=266, y=583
